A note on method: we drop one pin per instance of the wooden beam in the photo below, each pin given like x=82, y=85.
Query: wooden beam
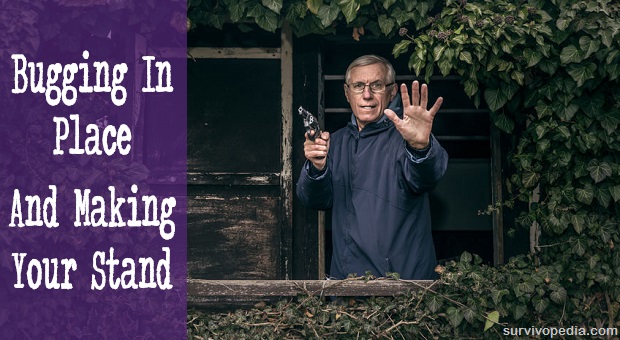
x=204, y=291
x=229, y=178
x=496, y=193
x=286, y=177
x=233, y=53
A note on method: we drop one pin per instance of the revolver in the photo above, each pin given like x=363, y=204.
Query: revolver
x=310, y=123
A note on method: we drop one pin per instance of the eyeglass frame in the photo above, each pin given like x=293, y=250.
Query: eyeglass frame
x=369, y=87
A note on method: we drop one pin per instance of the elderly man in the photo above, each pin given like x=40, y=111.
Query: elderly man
x=375, y=175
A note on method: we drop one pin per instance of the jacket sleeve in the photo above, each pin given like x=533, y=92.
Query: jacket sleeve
x=314, y=188
x=422, y=171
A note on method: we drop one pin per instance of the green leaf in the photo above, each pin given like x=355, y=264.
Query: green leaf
x=349, y=9
x=454, y=316
x=471, y=87
x=416, y=64
x=607, y=37
x=588, y=45
x=599, y=172
x=562, y=24
x=314, y=5
x=609, y=121
x=580, y=246
x=466, y=57
x=532, y=57
x=542, y=145
x=592, y=105
x=540, y=304
x=503, y=122
x=509, y=89
x=268, y=21
x=433, y=302
x=585, y=195
x=613, y=71
x=543, y=109
x=578, y=222
x=328, y=14
x=608, y=230
x=527, y=287
x=593, y=261
x=400, y=16
x=519, y=311
x=401, y=47
x=470, y=315
x=548, y=66
x=492, y=318
x=570, y=54
x=438, y=51
x=566, y=113
x=558, y=296
x=497, y=295
x=274, y=5
x=466, y=257
x=445, y=65
x=603, y=197
x=237, y=11
x=580, y=73
x=495, y=98
x=589, y=139
x=216, y=20
x=386, y=24
x=603, y=279
x=518, y=76
x=541, y=130
x=615, y=192
x=563, y=133
x=388, y=3
x=530, y=179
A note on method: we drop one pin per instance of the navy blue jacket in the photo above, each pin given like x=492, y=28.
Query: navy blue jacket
x=377, y=189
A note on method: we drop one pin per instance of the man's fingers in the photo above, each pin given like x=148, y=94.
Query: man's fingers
x=404, y=94
x=392, y=116
x=415, y=93
x=424, y=96
x=436, y=106
x=317, y=149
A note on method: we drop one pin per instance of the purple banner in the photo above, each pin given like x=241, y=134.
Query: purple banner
x=93, y=169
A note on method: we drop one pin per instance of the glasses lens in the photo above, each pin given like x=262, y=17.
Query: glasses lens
x=357, y=87
x=375, y=87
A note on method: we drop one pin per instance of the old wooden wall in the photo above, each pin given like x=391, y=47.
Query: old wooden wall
x=239, y=182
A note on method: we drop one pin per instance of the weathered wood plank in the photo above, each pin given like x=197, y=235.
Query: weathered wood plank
x=233, y=53
x=230, y=178
x=233, y=237
x=205, y=291
x=286, y=179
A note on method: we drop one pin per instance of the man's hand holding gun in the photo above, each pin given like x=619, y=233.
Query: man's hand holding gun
x=315, y=149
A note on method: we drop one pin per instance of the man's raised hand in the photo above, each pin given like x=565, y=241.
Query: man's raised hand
x=417, y=121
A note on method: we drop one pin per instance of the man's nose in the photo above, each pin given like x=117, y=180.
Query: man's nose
x=367, y=93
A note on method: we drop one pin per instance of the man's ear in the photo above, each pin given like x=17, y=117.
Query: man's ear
x=346, y=93
x=395, y=88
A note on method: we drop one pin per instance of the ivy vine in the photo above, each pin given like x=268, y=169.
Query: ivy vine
x=549, y=72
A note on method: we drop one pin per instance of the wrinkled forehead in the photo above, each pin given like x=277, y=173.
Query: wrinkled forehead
x=367, y=73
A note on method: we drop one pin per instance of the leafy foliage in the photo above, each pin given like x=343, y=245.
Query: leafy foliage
x=549, y=72
x=471, y=301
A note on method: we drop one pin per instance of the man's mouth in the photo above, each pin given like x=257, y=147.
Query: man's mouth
x=368, y=107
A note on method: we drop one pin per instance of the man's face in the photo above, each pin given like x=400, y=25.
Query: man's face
x=368, y=106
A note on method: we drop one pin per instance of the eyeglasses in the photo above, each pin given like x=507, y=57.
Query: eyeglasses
x=375, y=87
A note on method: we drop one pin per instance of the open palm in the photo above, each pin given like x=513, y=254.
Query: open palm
x=417, y=121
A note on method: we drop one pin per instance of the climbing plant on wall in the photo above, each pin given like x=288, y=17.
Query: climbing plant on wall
x=549, y=71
